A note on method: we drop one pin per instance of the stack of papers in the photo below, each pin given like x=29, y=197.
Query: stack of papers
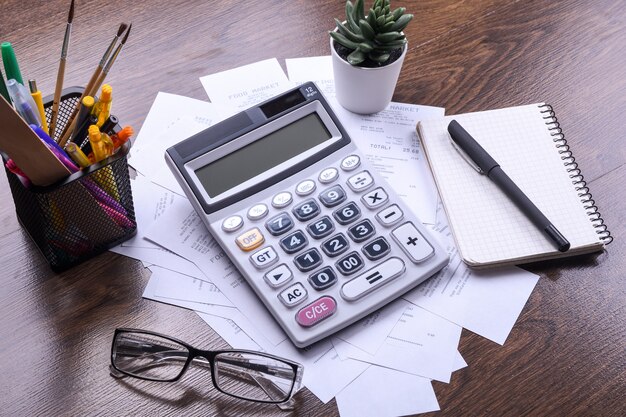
x=395, y=352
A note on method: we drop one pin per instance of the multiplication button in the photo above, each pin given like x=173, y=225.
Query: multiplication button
x=375, y=198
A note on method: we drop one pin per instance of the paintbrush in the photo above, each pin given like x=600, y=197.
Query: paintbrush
x=89, y=87
x=110, y=62
x=61, y=73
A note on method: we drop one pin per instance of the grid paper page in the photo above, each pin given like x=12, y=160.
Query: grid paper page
x=487, y=226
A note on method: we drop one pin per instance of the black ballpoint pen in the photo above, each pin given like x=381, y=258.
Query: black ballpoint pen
x=485, y=164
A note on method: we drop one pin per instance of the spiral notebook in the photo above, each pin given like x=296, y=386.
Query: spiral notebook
x=529, y=145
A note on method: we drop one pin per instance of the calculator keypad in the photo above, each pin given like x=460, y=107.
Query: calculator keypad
x=335, y=239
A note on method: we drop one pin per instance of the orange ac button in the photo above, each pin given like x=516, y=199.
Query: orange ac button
x=250, y=240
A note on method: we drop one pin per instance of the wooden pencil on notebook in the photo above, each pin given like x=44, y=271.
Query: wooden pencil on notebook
x=92, y=86
x=61, y=73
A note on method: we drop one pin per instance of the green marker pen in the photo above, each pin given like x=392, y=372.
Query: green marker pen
x=10, y=63
x=3, y=89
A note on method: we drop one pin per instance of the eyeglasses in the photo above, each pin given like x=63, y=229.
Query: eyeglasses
x=244, y=374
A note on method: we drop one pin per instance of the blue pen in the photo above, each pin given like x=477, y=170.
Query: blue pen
x=23, y=102
x=55, y=148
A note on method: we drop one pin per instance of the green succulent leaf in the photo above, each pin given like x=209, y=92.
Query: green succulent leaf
x=356, y=57
x=386, y=28
x=380, y=21
x=366, y=47
x=342, y=29
x=371, y=18
x=359, y=10
x=389, y=46
x=342, y=40
x=398, y=12
x=380, y=58
x=367, y=31
x=354, y=26
x=388, y=37
x=402, y=22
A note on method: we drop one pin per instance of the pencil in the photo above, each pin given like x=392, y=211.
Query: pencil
x=61, y=73
x=71, y=122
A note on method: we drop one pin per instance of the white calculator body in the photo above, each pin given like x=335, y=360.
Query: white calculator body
x=321, y=237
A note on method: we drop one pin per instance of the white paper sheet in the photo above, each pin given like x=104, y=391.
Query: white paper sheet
x=183, y=232
x=245, y=86
x=486, y=302
x=382, y=392
x=421, y=343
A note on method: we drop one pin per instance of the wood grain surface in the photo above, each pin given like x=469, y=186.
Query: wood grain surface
x=567, y=353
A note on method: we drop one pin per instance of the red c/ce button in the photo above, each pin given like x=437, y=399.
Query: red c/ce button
x=317, y=311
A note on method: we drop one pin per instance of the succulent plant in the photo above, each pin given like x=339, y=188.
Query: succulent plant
x=374, y=36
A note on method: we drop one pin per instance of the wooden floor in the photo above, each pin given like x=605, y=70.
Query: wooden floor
x=566, y=354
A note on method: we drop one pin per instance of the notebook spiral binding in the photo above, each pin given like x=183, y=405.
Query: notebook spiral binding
x=575, y=173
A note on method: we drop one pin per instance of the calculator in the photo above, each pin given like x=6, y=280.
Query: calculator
x=317, y=233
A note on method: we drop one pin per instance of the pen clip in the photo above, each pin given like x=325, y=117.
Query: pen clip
x=465, y=156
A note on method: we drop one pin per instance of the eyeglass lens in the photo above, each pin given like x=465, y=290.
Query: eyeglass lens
x=254, y=377
x=149, y=356
x=242, y=374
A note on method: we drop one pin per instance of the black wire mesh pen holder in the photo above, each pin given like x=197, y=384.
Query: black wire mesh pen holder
x=83, y=215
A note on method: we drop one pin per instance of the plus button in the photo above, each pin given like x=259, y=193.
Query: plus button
x=412, y=241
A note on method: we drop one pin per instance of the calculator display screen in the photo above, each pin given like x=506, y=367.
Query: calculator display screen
x=265, y=153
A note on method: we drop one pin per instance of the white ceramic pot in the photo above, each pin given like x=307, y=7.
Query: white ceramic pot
x=365, y=90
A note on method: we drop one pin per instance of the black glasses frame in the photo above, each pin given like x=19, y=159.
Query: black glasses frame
x=209, y=355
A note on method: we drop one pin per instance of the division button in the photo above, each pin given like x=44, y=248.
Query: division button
x=361, y=181
x=390, y=215
x=293, y=295
x=278, y=276
x=257, y=211
x=412, y=242
x=317, y=311
x=306, y=187
x=350, y=162
x=232, y=223
x=372, y=279
x=281, y=200
x=250, y=240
